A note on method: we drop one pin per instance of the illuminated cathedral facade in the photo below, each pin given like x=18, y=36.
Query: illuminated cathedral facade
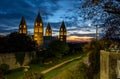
x=39, y=31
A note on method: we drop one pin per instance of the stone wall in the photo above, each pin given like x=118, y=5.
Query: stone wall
x=109, y=65
x=10, y=59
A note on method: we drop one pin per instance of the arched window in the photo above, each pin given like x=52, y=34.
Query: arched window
x=40, y=29
x=20, y=31
x=61, y=29
x=61, y=33
x=24, y=26
x=64, y=33
x=40, y=24
x=36, y=23
x=36, y=29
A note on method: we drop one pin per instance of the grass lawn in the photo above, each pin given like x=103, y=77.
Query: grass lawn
x=54, y=72
x=65, y=67
x=19, y=74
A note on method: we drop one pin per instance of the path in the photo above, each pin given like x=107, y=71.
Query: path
x=59, y=65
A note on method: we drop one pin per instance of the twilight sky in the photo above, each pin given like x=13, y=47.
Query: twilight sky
x=53, y=11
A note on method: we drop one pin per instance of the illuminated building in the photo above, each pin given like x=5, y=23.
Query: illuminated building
x=23, y=26
x=62, y=35
x=38, y=30
x=38, y=36
x=48, y=30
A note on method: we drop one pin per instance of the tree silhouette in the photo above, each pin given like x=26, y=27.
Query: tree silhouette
x=93, y=49
x=16, y=42
x=109, y=14
x=58, y=48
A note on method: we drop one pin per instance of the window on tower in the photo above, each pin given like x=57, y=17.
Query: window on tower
x=35, y=38
x=61, y=29
x=35, y=35
x=36, y=29
x=64, y=33
x=24, y=31
x=61, y=37
x=36, y=23
x=40, y=24
x=61, y=33
x=20, y=31
x=24, y=26
x=46, y=34
x=40, y=29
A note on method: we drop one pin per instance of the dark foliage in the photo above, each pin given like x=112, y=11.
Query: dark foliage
x=112, y=7
x=93, y=48
x=75, y=47
x=111, y=22
x=2, y=74
x=16, y=42
x=112, y=28
x=20, y=57
x=57, y=48
x=4, y=68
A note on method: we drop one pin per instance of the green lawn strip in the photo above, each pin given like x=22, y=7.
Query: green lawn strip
x=16, y=75
x=21, y=75
x=67, y=58
x=36, y=68
x=54, y=72
x=66, y=66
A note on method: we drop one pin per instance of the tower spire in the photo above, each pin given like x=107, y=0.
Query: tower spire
x=63, y=32
x=38, y=30
x=38, y=18
x=48, y=30
x=63, y=25
x=22, y=21
x=23, y=26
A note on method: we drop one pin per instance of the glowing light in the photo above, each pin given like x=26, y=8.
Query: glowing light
x=40, y=24
x=89, y=24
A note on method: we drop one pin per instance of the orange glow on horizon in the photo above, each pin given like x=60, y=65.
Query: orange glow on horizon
x=79, y=38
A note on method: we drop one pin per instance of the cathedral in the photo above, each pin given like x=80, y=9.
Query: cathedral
x=38, y=35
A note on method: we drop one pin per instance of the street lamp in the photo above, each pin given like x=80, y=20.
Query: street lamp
x=97, y=32
x=97, y=29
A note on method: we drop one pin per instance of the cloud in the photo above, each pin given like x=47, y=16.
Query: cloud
x=11, y=12
x=79, y=39
x=77, y=34
x=52, y=11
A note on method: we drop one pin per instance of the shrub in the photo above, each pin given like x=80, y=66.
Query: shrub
x=4, y=68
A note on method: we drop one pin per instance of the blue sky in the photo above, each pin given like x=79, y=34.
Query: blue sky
x=52, y=11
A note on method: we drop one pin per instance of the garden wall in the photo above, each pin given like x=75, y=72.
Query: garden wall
x=110, y=64
x=12, y=59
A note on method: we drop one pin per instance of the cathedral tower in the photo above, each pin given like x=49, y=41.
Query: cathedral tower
x=38, y=30
x=48, y=30
x=62, y=35
x=23, y=26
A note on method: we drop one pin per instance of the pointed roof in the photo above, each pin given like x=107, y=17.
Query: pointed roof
x=63, y=25
x=38, y=18
x=48, y=26
x=22, y=21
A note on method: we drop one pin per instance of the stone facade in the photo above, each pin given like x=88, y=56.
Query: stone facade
x=10, y=59
x=110, y=65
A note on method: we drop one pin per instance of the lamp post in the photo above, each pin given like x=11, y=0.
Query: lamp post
x=97, y=29
x=96, y=35
x=97, y=32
